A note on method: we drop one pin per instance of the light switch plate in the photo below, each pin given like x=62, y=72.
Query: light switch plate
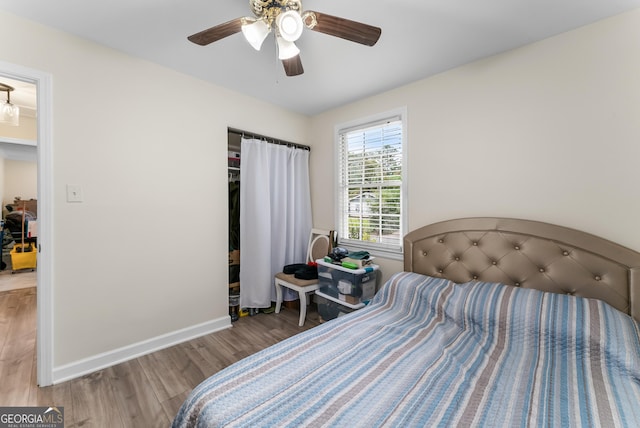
x=74, y=193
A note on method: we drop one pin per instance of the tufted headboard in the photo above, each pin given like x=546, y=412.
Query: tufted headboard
x=527, y=254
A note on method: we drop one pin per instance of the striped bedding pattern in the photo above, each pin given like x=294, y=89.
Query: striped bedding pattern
x=428, y=352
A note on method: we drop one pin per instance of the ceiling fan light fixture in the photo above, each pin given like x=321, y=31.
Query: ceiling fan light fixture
x=290, y=25
x=286, y=49
x=287, y=19
x=255, y=33
x=9, y=113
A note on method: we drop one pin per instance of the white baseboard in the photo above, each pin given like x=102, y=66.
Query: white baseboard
x=111, y=358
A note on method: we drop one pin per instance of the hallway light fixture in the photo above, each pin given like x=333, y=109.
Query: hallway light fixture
x=9, y=113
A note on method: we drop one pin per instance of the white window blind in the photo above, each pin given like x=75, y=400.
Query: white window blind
x=370, y=185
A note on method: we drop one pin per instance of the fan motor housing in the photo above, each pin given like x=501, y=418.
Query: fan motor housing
x=270, y=9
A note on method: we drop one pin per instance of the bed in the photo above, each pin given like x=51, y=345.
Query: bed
x=494, y=322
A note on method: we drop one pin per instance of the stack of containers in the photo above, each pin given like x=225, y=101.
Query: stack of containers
x=344, y=290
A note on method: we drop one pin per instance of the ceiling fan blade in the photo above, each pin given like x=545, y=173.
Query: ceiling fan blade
x=293, y=66
x=343, y=28
x=218, y=32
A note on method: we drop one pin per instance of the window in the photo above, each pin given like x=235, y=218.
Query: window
x=370, y=188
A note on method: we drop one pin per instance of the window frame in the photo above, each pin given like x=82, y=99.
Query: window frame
x=376, y=249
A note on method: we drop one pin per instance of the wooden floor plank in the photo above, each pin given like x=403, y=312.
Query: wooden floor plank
x=16, y=363
x=57, y=396
x=137, y=403
x=172, y=405
x=17, y=354
x=26, y=315
x=204, y=365
x=33, y=383
x=169, y=372
x=217, y=355
x=8, y=308
x=94, y=402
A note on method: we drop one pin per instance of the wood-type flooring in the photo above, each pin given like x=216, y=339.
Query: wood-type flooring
x=143, y=392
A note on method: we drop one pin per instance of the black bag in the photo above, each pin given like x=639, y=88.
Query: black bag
x=301, y=271
x=289, y=269
x=307, y=272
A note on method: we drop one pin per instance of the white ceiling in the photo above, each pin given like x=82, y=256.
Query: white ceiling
x=419, y=38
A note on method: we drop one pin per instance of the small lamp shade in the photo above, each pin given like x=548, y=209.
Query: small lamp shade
x=286, y=49
x=290, y=25
x=255, y=33
x=10, y=114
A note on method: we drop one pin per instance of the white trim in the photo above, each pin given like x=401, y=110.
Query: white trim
x=394, y=114
x=19, y=141
x=44, y=338
x=370, y=122
x=117, y=356
x=19, y=149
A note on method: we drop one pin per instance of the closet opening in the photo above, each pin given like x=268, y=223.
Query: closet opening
x=237, y=303
x=234, y=146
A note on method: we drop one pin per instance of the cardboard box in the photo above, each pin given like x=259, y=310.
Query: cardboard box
x=352, y=300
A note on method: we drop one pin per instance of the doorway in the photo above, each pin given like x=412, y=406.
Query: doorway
x=41, y=82
x=20, y=216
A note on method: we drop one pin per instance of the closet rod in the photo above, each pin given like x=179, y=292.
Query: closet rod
x=267, y=139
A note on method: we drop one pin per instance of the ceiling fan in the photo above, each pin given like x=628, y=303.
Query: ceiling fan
x=286, y=19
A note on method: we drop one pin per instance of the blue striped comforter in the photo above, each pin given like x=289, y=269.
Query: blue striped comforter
x=428, y=352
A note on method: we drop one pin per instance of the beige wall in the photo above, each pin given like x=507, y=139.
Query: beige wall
x=27, y=130
x=20, y=179
x=548, y=132
x=145, y=254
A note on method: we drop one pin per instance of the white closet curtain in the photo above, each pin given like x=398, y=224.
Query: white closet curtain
x=275, y=216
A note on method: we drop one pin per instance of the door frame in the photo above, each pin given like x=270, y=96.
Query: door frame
x=45, y=320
